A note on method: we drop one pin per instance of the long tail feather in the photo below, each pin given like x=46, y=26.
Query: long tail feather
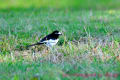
x=34, y=44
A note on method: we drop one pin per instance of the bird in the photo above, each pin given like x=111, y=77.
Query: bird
x=50, y=40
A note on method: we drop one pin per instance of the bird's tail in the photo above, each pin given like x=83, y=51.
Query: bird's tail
x=33, y=45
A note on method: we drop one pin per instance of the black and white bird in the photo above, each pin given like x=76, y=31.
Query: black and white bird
x=49, y=40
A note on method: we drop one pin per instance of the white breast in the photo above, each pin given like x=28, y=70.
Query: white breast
x=51, y=42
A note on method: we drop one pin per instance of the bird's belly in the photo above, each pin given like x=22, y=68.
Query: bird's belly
x=51, y=43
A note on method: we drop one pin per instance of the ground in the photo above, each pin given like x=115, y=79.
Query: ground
x=89, y=44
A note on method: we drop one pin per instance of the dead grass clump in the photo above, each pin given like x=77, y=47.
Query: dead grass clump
x=84, y=49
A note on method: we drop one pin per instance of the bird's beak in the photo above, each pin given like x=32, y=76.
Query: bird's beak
x=60, y=33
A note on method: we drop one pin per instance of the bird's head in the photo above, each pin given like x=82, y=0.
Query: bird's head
x=56, y=32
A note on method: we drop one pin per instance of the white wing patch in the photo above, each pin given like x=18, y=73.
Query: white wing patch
x=51, y=42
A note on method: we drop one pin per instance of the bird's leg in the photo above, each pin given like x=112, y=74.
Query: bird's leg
x=33, y=55
x=47, y=50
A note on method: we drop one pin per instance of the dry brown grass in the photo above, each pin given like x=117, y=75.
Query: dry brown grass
x=85, y=48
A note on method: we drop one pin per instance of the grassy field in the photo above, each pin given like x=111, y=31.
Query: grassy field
x=85, y=4
x=88, y=49
x=89, y=44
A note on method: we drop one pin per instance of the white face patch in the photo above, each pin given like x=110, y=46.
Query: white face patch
x=51, y=42
x=60, y=33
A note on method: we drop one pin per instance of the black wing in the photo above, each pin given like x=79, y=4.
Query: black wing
x=48, y=37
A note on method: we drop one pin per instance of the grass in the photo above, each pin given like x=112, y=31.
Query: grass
x=85, y=4
x=90, y=44
x=47, y=70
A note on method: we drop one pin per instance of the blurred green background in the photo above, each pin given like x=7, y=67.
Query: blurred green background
x=90, y=41
x=94, y=4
